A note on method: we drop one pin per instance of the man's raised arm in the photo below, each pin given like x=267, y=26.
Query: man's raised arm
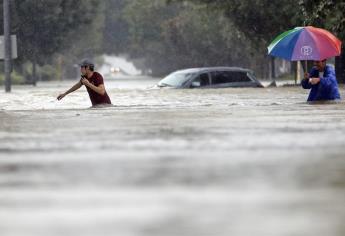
x=71, y=90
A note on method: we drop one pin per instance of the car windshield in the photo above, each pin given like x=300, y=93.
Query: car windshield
x=176, y=79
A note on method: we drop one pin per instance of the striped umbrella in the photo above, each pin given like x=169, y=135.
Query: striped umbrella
x=305, y=43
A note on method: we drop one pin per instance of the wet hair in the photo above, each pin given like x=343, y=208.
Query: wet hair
x=323, y=60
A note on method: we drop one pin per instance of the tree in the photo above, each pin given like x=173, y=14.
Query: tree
x=145, y=19
x=115, y=31
x=259, y=20
x=43, y=27
x=328, y=14
x=199, y=37
x=181, y=35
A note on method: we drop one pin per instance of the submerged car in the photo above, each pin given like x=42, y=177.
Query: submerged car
x=211, y=77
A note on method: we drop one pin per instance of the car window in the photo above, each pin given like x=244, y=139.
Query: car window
x=222, y=77
x=176, y=79
x=202, y=79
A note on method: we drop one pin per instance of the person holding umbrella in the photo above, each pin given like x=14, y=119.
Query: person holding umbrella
x=314, y=44
x=322, y=82
x=93, y=82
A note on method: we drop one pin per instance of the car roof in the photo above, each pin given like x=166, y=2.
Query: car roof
x=210, y=69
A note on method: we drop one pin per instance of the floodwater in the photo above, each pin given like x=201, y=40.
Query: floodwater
x=212, y=162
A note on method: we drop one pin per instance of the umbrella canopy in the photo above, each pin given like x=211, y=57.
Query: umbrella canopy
x=305, y=43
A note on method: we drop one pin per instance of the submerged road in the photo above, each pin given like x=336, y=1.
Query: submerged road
x=240, y=162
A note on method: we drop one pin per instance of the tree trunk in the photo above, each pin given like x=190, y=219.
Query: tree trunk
x=273, y=68
x=34, y=72
x=340, y=66
x=59, y=68
x=297, y=67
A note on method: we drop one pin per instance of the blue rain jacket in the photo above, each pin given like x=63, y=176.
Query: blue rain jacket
x=327, y=89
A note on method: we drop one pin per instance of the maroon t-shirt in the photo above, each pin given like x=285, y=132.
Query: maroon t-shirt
x=96, y=98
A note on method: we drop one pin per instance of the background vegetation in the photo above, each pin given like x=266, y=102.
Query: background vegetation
x=160, y=35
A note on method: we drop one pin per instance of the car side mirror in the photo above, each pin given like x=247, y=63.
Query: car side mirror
x=196, y=84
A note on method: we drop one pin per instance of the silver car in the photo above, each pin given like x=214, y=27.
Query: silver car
x=211, y=77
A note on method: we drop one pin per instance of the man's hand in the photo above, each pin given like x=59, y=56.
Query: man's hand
x=84, y=81
x=61, y=96
x=306, y=75
x=314, y=81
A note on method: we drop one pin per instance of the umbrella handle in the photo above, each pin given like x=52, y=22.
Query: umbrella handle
x=305, y=66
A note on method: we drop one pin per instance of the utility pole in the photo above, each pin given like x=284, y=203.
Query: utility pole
x=7, y=45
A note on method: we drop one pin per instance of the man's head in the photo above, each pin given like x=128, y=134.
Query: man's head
x=86, y=66
x=320, y=65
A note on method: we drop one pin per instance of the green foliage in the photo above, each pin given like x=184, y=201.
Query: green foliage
x=327, y=14
x=43, y=27
x=197, y=37
x=146, y=19
x=259, y=20
x=262, y=20
x=164, y=34
x=180, y=35
x=83, y=42
x=48, y=72
x=16, y=78
x=45, y=72
x=115, y=30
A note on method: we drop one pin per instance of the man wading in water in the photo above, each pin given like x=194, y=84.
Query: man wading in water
x=93, y=82
x=322, y=82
